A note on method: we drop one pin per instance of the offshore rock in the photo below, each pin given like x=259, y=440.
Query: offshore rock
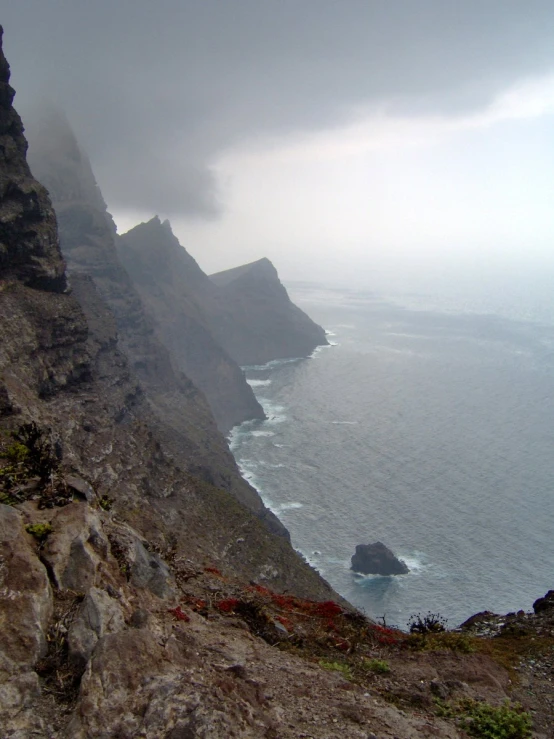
x=377, y=559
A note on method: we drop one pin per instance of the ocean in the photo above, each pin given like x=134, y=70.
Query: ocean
x=426, y=425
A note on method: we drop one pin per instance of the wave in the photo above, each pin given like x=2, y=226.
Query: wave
x=321, y=348
x=258, y=383
x=270, y=365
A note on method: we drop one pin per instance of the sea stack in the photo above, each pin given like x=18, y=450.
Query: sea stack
x=377, y=559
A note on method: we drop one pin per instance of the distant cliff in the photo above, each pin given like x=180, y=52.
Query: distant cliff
x=266, y=324
x=175, y=292
x=246, y=310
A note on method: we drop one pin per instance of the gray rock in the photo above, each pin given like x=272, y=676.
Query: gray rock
x=82, y=487
x=377, y=559
x=139, y=618
x=25, y=610
x=99, y=614
x=75, y=547
x=148, y=570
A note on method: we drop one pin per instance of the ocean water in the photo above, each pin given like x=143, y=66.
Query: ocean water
x=427, y=426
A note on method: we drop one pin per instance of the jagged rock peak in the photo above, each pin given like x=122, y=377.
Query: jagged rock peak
x=29, y=249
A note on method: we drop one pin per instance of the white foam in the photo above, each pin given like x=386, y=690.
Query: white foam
x=262, y=432
x=258, y=383
x=292, y=506
x=319, y=349
x=413, y=561
x=271, y=365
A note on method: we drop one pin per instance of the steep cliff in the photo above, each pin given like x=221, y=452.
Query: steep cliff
x=246, y=310
x=266, y=324
x=88, y=241
x=28, y=241
x=175, y=290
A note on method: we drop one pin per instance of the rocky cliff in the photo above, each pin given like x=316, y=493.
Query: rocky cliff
x=266, y=324
x=246, y=310
x=88, y=241
x=175, y=292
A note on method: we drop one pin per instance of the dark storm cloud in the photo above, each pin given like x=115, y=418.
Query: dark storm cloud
x=156, y=90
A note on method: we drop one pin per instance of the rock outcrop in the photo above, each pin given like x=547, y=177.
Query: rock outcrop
x=259, y=322
x=377, y=559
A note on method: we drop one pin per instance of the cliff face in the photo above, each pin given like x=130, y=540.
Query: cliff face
x=88, y=241
x=174, y=289
x=28, y=246
x=266, y=324
x=246, y=310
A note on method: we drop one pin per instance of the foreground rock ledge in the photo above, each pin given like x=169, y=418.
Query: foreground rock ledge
x=377, y=559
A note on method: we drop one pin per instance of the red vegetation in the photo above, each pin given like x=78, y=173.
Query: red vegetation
x=213, y=571
x=227, y=605
x=178, y=614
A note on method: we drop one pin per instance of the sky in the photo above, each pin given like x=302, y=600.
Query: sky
x=368, y=142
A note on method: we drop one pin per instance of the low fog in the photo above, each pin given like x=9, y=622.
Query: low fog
x=386, y=144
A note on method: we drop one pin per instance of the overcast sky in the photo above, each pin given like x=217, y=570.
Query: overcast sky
x=360, y=139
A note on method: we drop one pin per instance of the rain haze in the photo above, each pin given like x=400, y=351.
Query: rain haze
x=374, y=143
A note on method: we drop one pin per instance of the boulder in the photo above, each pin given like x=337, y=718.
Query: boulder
x=546, y=603
x=377, y=559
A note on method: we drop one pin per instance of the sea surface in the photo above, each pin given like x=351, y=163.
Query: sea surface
x=426, y=425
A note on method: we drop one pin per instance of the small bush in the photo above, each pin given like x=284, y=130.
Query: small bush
x=39, y=530
x=431, y=623
x=508, y=721
x=441, y=640
x=106, y=503
x=377, y=665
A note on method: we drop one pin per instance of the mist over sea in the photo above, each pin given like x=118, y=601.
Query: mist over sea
x=428, y=425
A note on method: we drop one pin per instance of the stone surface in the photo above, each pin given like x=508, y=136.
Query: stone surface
x=25, y=611
x=377, y=559
x=148, y=570
x=99, y=615
x=75, y=547
x=81, y=487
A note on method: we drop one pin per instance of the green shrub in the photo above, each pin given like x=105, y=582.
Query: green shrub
x=377, y=665
x=341, y=667
x=480, y=719
x=39, y=530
